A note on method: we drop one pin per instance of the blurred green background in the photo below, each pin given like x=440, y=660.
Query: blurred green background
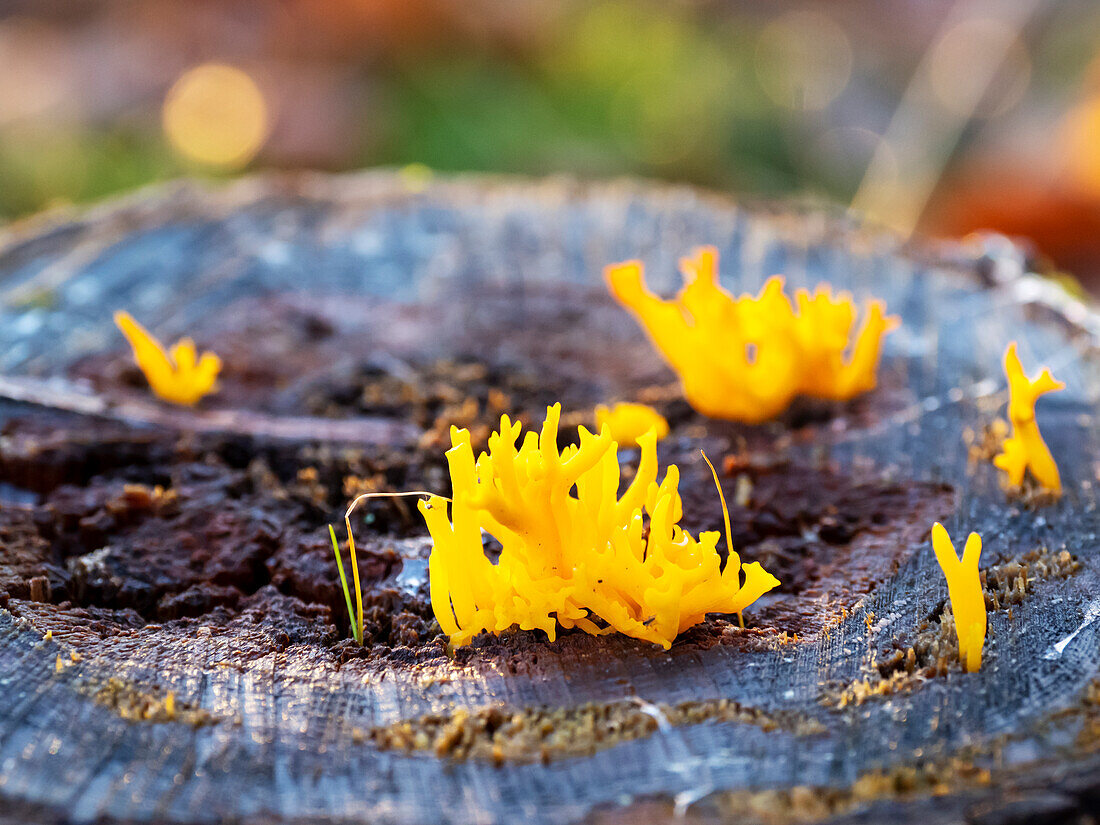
x=999, y=126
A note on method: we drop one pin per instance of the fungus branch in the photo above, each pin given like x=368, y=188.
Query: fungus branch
x=179, y=376
x=574, y=552
x=746, y=358
x=1025, y=449
x=628, y=422
x=964, y=588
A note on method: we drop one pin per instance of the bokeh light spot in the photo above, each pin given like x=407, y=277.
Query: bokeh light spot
x=804, y=60
x=963, y=90
x=1080, y=139
x=38, y=77
x=215, y=115
x=416, y=177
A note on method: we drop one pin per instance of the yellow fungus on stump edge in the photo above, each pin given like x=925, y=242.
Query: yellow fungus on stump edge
x=745, y=359
x=964, y=587
x=573, y=552
x=178, y=376
x=1025, y=449
x=628, y=422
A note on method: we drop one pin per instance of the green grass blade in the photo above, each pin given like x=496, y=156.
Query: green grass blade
x=344, y=585
x=355, y=573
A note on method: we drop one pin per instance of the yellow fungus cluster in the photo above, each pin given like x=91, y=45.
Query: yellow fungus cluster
x=628, y=422
x=746, y=358
x=964, y=588
x=573, y=552
x=1025, y=449
x=179, y=376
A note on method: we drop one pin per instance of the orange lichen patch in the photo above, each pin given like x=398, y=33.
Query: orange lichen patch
x=573, y=552
x=178, y=376
x=964, y=588
x=629, y=422
x=1025, y=449
x=746, y=358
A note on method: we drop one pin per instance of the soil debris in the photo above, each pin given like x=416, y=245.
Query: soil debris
x=501, y=735
x=141, y=703
x=982, y=447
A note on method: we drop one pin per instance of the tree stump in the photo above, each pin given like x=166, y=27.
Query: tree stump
x=173, y=642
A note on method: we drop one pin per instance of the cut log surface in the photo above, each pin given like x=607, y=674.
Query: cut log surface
x=159, y=703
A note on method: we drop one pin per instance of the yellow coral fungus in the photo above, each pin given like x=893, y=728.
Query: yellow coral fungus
x=964, y=588
x=573, y=552
x=1025, y=449
x=629, y=422
x=746, y=358
x=179, y=376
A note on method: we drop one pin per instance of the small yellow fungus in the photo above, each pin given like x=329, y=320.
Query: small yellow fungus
x=179, y=376
x=629, y=422
x=746, y=358
x=964, y=588
x=1025, y=449
x=573, y=552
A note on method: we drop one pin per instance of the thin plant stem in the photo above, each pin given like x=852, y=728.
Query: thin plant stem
x=366, y=496
x=725, y=518
x=356, y=616
x=356, y=631
x=355, y=573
